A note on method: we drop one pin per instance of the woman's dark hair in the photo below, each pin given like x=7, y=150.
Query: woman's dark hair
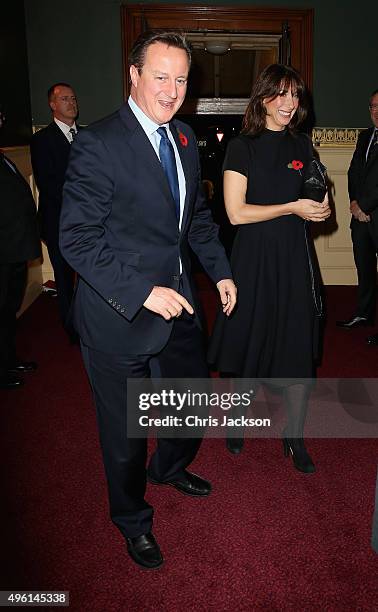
x=270, y=82
x=138, y=52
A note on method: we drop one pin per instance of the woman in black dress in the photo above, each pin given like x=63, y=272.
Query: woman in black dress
x=271, y=333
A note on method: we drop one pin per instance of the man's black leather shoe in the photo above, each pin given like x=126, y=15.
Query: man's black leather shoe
x=20, y=367
x=189, y=484
x=10, y=381
x=372, y=340
x=145, y=551
x=354, y=322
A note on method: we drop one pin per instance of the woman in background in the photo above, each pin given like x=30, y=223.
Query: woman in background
x=271, y=333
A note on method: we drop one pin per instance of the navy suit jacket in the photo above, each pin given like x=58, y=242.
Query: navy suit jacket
x=49, y=151
x=119, y=232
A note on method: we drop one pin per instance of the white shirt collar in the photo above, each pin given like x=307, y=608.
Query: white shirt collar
x=64, y=127
x=147, y=124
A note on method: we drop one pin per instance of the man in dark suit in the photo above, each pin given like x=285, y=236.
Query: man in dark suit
x=19, y=242
x=133, y=204
x=50, y=148
x=363, y=195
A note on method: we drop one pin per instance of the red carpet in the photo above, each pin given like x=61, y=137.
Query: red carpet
x=268, y=538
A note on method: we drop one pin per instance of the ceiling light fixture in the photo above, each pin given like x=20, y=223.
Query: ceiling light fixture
x=217, y=47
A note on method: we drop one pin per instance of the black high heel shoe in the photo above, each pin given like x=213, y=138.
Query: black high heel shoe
x=235, y=445
x=301, y=459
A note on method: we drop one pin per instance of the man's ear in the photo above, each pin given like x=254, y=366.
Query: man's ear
x=134, y=75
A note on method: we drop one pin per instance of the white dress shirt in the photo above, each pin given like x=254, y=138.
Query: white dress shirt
x=66, y=129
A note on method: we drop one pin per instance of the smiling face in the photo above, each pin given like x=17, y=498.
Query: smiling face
x=281, y=109
x=159, y=89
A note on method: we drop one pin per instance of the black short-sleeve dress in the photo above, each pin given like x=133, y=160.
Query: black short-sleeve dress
x=271, y=332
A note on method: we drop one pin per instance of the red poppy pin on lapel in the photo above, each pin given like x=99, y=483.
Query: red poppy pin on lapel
x=183, y=139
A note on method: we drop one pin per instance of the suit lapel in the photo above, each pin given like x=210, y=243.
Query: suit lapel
x=142, y=147
x=61, y=137
x=10, y=167
x=368, y=134
x=373, y=156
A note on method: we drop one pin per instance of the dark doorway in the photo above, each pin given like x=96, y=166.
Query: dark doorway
x=213, y=133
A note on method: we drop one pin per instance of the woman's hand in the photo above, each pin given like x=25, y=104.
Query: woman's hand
x=310, y=210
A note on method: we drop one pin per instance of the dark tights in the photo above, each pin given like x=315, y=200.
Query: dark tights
x=296, y=402
x=295, y=398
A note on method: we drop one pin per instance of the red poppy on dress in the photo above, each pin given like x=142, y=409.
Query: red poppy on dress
x=296, y=164
x=183, y=139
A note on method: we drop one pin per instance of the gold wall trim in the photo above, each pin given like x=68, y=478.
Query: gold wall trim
x=333, y=136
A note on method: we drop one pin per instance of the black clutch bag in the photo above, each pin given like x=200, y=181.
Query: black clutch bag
x=315, y=181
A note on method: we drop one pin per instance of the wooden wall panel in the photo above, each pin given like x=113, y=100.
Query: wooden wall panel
x=334, y=246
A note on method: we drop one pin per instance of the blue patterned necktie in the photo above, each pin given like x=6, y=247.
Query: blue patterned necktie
x=168, y=161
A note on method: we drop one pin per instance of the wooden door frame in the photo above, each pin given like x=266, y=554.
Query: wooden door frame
x=136, y=17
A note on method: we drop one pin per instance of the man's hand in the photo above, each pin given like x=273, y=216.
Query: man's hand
x=167, y=303
x=358, y=213
x=363, y=217
x=227, y=291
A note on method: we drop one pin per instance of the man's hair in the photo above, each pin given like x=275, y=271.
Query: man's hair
x=273, y=79
x=50, y=91
x=137, y=55
x=374, y=93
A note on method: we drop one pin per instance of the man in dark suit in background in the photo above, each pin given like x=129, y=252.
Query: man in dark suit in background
x=132, y=206
x=363, y=195
x=50, y=148
x=19, y=243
